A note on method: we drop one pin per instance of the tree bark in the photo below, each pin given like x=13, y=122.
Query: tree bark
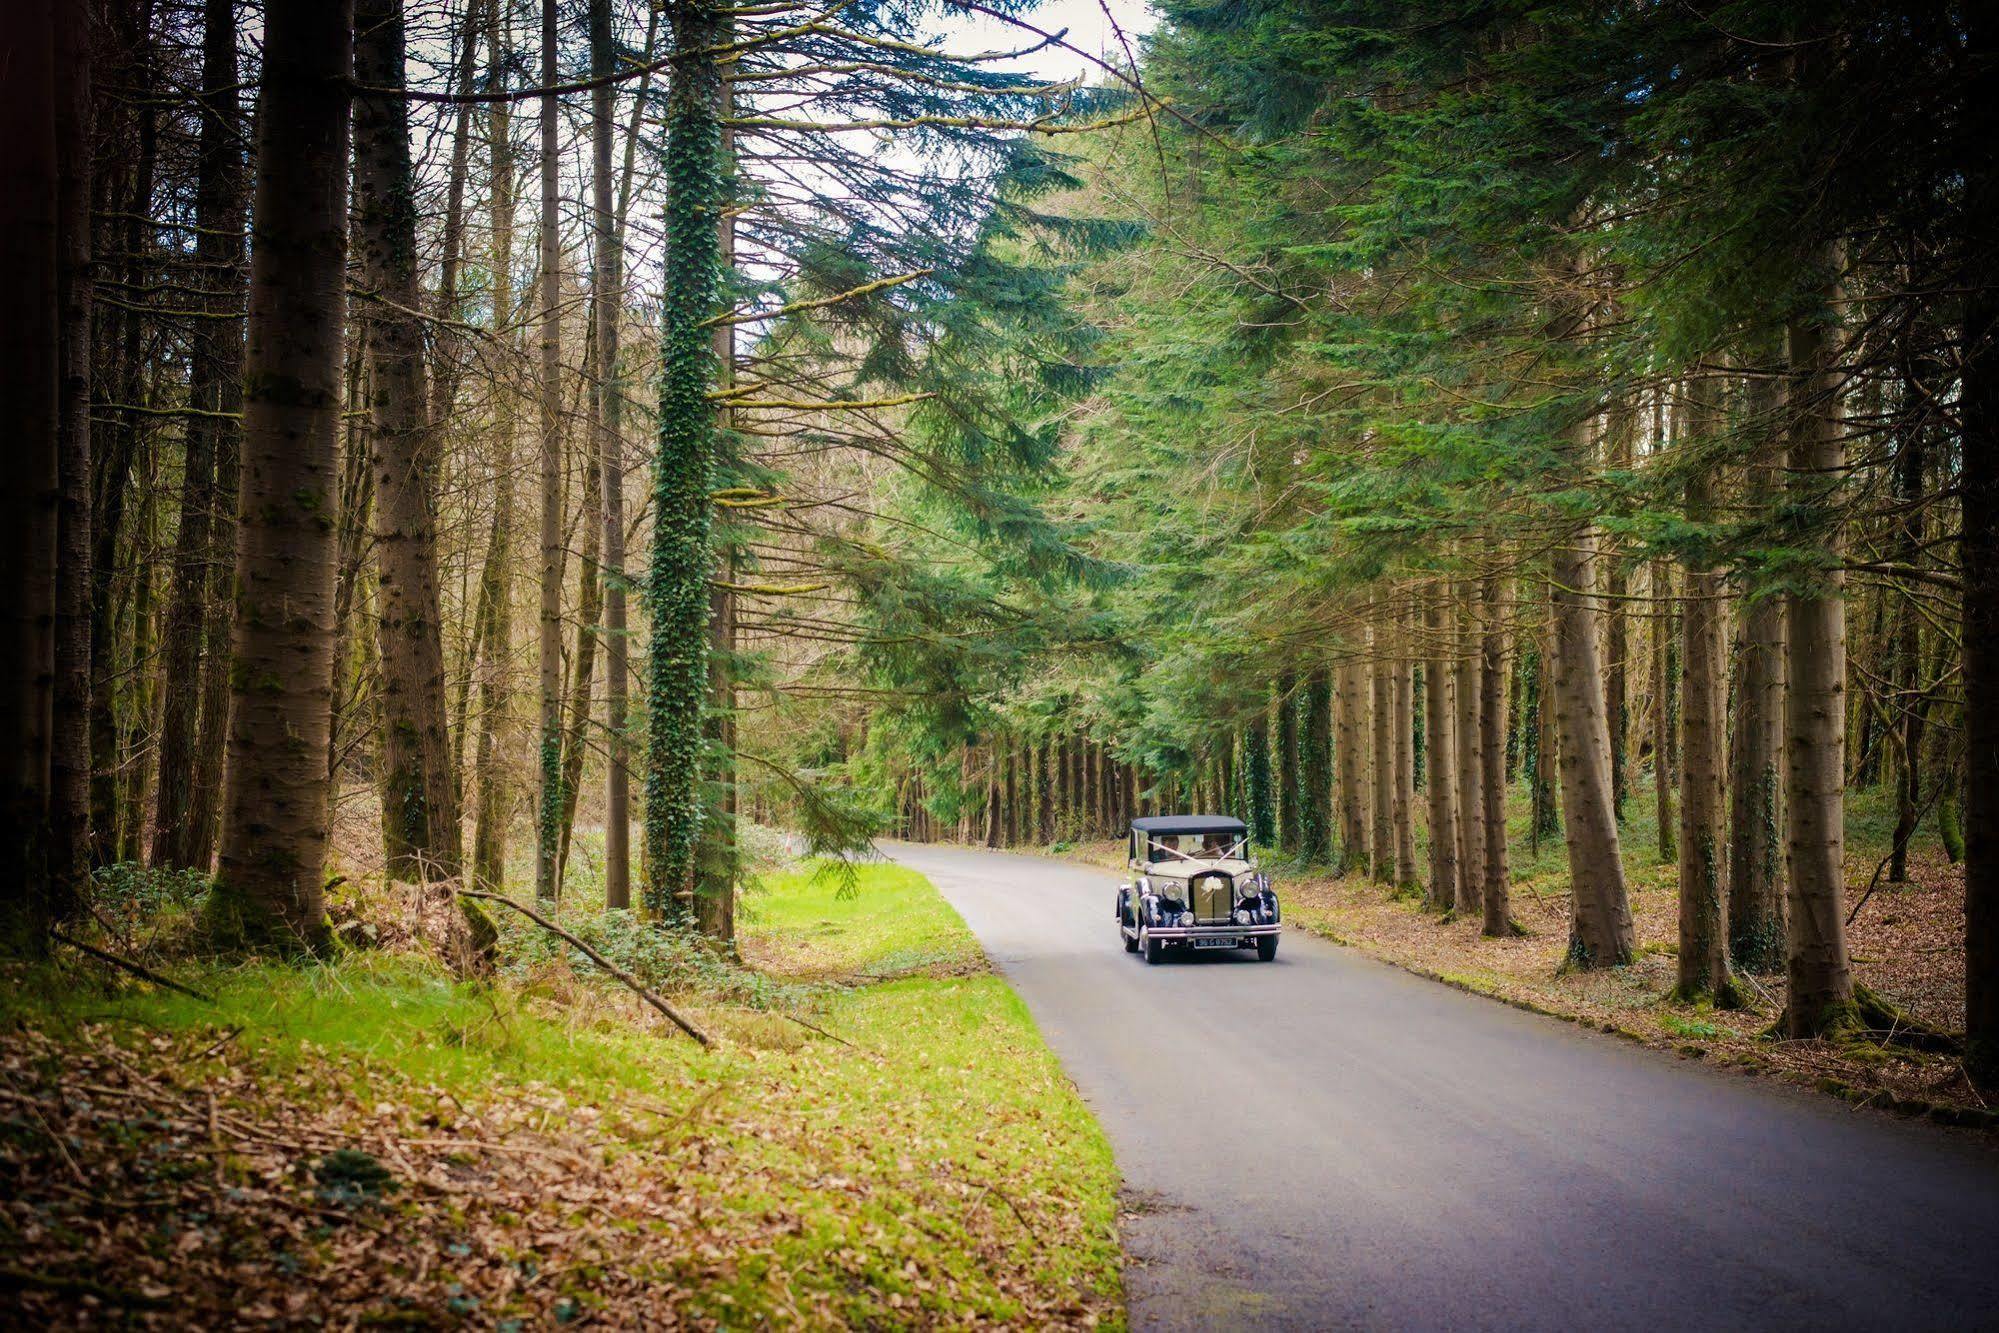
x=1261, y=818
x=69, y=738
x=30, y=385
x=1404, y=670
x=494, y=650
x=683, y=557
x=1470, y=775
x=1440, y=771
x=548, y=658
x=1978, y=550
x=1819, y=971
x=607, y=304
x=1289, y=786
x=1600, y=930
x=1495, y=895
x=420, y=831
x=1315, y=795
x=1755, y=857
x=1381, y=829
x=1662, y=709
x=274, y=813
x=1703, y=956
x=1352, y=765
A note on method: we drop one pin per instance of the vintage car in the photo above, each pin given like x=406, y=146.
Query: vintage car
x=1195, y=885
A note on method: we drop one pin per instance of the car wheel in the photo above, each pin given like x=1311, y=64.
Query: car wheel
x=1154, y=950
x=1130, y=943
x=1266, y=948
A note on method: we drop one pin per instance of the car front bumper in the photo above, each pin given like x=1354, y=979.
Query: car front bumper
x=1183, y=934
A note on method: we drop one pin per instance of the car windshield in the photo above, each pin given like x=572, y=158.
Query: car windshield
x=1206, y=846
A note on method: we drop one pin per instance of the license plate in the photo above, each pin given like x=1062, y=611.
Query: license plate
x=1205, y=943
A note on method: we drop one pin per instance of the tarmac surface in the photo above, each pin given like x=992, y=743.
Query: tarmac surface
x=1324, y=1141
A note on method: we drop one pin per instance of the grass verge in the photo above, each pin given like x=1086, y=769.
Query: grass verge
x=373, y=1142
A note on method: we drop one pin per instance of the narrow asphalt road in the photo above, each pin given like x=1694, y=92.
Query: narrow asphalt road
x=1327, y=1142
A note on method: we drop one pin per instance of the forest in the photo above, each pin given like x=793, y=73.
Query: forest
x=518, y=499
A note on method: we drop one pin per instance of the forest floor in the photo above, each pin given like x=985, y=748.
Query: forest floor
x=1906, y=942
x=880, y=1138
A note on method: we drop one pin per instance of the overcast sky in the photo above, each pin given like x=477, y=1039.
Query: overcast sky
x=1090, y=28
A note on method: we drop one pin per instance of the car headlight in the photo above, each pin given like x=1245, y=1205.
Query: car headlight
x=1186, y=918
x=1241, y=917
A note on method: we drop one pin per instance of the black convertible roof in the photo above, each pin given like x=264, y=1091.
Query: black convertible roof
x=1189, y=824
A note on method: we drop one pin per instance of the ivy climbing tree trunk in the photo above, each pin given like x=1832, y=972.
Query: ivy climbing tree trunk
x=1818, y=968
x=683, y=557
x=715, y=870
x=420, y=830
x=1289, y=784
x=274, y=813
x=1261, y=818
x=1315, y=794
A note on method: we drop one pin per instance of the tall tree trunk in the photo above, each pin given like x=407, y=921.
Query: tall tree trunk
x=1978, y=550
x=274, y=810
x=1260, y=817
x=583, y=661
x=30, y=384
x=607, y=304
x=1470, y=801
x=715, y=887
x=1290, y=794
x=683, y=557
x=112, y=466
x=493, y=652
x=1403, y=669
x=1440, y=738
x=1546, y=817
x=1315, y=794
x=1495, y=895
x=548, y=658
x=420, y=832
x=1819, y=971
x=1912, y=699
x=1600, y=930
x=1755, y=858
x=1662, y=709
x=1703, y=956
x=1617, y=636
x=1351, y=753
x=1381, y=757
x=69, y=737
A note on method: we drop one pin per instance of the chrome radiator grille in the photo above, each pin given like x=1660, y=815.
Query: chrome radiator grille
x=1212, y=898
